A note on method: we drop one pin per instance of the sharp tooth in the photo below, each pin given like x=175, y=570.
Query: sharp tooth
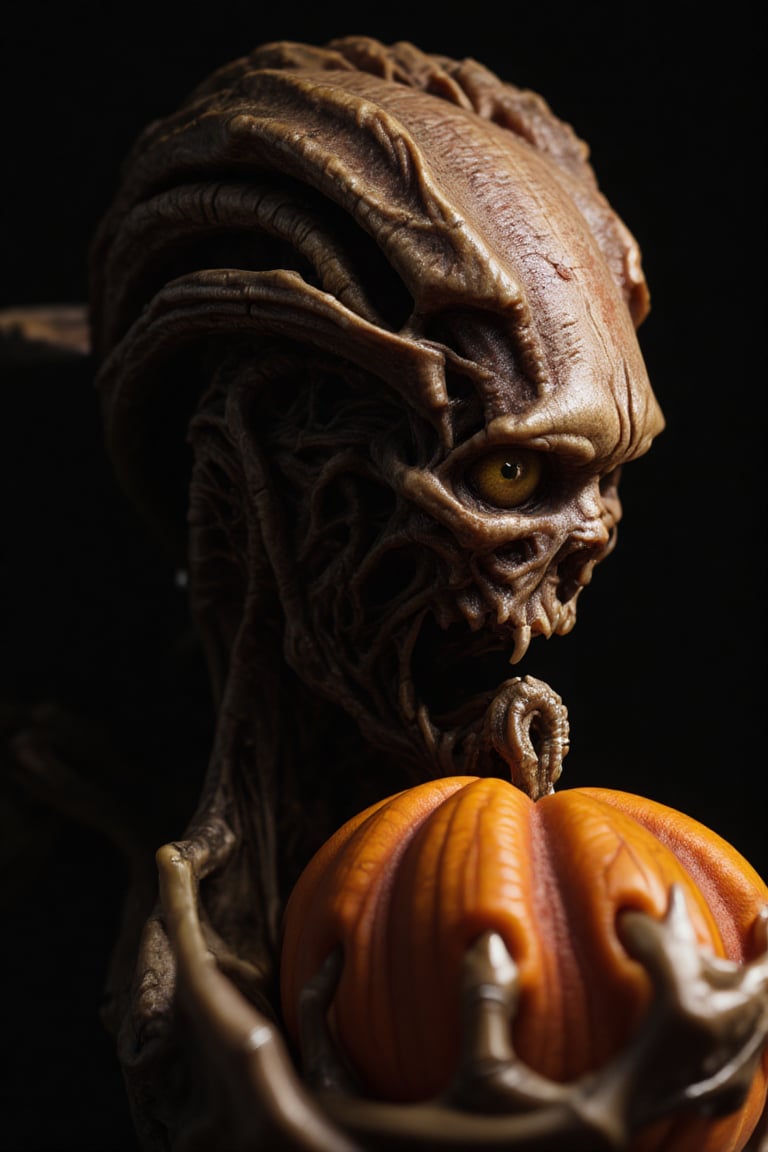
x=567, y=619
x=502, y=614
x=522, y=640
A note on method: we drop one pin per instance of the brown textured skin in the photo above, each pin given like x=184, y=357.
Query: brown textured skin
x=325, y=287
x=343, y=272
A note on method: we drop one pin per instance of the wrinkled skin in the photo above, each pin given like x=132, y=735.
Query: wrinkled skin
x=392, y=320
x=350, y=278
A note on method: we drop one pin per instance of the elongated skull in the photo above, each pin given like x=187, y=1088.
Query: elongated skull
x=405, y=318
x=365, y=328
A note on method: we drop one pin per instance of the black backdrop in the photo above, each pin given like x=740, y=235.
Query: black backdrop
x=665, y=674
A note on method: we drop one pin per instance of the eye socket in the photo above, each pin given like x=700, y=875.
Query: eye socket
x=506, y=477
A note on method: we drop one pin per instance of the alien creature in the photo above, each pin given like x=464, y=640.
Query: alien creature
x=365, y=329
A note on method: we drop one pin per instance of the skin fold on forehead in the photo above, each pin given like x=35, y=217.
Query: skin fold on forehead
x=518, y=257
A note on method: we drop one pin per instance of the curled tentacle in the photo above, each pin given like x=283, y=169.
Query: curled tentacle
x=526, y=726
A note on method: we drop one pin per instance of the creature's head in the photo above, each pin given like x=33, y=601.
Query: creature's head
x=384, y=297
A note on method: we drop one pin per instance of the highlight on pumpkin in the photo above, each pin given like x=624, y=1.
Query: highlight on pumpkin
x=406, y=886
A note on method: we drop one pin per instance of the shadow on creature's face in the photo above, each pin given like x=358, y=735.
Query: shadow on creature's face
x=410, y=577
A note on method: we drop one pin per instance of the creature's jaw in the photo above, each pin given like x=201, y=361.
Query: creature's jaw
x=458, y=650
x=456, y=675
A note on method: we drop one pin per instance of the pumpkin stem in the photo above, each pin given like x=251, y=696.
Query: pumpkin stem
x=527, y=726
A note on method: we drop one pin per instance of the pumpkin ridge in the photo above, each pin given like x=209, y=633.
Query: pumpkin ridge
x=421, y=902
x=582, y=833
x=401, y=1044
x=456, y=816
x=386, y=851
x=501, y=818
x=700, y=890
x=549, y=914
x=575, y=947
x=727, y=880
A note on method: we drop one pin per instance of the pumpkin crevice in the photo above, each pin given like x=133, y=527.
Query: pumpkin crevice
x=550, y=877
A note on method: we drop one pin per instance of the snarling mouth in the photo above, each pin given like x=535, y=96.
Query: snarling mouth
x=472, y=715
x=456, y=671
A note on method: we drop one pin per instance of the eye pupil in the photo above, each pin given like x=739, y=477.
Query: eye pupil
x=511, y=469
x=506, y=477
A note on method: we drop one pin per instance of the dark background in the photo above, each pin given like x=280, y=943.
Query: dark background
x=665, y=674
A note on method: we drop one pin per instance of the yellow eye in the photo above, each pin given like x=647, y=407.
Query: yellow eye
x=506, y=477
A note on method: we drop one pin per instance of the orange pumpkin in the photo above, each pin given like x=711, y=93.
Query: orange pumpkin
x=408, y=884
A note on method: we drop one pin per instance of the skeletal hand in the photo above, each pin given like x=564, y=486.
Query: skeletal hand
x=254, y=1100
x=699, y=1046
